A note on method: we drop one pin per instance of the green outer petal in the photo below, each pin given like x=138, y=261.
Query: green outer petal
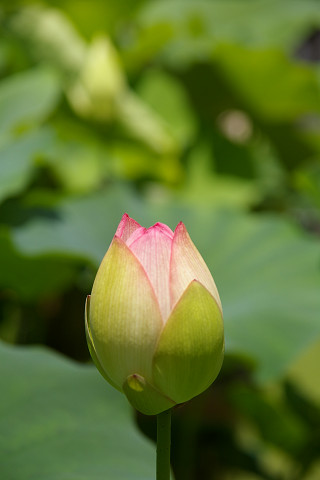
x=91, y=345
x=125, y=319
x=190, y=351
x=144, y=397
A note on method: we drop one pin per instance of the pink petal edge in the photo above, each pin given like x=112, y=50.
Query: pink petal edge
x=126, y=227
x=186, y=265
x=139, y=232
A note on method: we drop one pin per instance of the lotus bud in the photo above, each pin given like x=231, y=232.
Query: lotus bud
x=154, y=318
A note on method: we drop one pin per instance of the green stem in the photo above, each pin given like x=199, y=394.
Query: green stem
x=163, y=445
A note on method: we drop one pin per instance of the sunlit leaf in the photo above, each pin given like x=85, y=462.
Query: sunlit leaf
x=61, y=420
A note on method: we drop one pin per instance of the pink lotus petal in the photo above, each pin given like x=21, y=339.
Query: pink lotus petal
x=187, y=265
x=152, y=247
x=139, y=232
x=126, y=227
x=164, y=229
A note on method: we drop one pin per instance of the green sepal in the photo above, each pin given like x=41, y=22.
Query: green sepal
x=144, y=397
x=91, y=345
x=190, y=350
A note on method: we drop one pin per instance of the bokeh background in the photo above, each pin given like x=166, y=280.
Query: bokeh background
x=202, y=111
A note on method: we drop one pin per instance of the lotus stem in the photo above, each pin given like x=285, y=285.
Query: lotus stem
x=163, y=445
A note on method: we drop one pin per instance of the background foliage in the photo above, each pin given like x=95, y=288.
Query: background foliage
x=206, y=112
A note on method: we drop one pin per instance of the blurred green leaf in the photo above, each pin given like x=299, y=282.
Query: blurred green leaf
x=49, y=36
x=266, y=270
x=198, y=27
x=305, y=370
x=80, y=228
x=314, y=472
x=17, y=160
x=31, y=278
x=307, y=183
x=271, y=85
x=142, y=123
x=27, y=98
x=134, y=161
x=243, y=476
x=62, y=420
x=101, y=16
x=168, y=98
x=205, y=187
x=274, y=420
